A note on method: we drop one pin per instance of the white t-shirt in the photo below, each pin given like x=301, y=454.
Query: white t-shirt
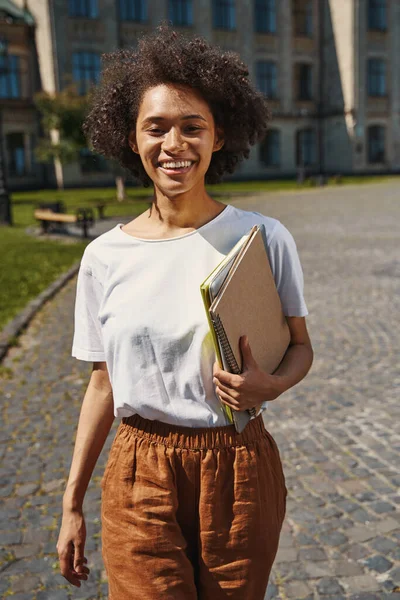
x=139, y=308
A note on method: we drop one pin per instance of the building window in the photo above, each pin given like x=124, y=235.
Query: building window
x=265, y=16
x=377, y=15
x=303, y=17
x=224, y=14
x=267, y=78
x=10, y=79
x=90, y=162
x=304, y=81
x=376, y=77
x=270, y=149
x=85, y=70
x=16, y=159
x=306, y=148
x=83, y=8
x=180, y=12
x=133, y=10
x=376, y=144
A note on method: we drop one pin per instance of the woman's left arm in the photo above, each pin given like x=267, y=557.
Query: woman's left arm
x=253, y=386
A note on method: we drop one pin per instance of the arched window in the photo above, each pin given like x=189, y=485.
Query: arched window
x=270, y=149
x=306, y=148
x=376, y=144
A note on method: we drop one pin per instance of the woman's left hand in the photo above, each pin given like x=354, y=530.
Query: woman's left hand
x=252, y=387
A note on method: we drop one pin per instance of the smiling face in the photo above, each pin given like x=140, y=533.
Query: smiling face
x=175, y=136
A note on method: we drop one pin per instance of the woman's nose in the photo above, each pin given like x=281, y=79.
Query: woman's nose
x=173, y=141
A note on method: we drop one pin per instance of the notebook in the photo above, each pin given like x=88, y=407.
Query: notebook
x=240, y=298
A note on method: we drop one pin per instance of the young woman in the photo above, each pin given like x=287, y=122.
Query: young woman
x=190, y=509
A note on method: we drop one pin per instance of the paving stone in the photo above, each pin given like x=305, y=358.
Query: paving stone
x=311, y=553
x=383, y=544
x=329, y=585
x=10, y=537
x=334, y=538
x=360, y=533
x=27, y=489
x=395, y=576
x=25, y=583
x=296, y=589
x=318, y=569
x=286, y=555
x=382, y=507
x=378, y=563
x=360, y=583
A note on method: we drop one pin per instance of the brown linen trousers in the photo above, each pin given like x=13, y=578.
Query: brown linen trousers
x=191, y=513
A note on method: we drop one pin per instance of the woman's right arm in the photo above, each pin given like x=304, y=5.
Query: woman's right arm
x=95, y=420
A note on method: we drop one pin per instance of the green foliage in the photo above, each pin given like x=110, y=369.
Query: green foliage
x=64, y=112
x=66, y=151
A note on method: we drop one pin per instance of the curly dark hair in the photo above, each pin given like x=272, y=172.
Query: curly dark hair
x=168, y=57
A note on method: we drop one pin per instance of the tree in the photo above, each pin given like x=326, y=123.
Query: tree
x=62, y=117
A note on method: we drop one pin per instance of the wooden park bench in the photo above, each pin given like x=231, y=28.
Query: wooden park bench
x=83, y=218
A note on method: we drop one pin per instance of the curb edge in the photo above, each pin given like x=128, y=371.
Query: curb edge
x=16, y=325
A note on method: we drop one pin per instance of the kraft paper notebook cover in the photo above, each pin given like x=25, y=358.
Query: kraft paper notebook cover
x=248, y=303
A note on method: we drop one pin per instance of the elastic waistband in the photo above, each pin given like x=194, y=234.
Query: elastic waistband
x=195, y=438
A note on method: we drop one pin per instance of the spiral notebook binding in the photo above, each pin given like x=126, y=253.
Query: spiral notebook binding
x=226, y=347
x=227, y=351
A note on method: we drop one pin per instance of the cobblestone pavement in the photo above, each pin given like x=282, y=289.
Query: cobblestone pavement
x=338, y=431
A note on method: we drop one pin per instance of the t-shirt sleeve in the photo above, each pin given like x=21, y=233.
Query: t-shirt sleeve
x=87, y=342
x=287, y=270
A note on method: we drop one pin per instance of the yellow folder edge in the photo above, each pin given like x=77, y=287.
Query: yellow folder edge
x=205, y=294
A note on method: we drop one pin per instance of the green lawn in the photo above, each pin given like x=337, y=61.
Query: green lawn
x=29, y=264
x=24, y=203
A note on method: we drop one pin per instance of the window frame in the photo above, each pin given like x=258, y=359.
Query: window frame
x=11, y=172
x=268, y=8
x=134, y=11
x=270, y=147
x=182, y=6
x=375, y=7
x=302, y=18
x=305, y=90
x=222, y=12
x=311, y=147
x=11, y=77
x=82, y=83
x=269, y=76
x=81, y=9
x=376, y=73
x=380, y=153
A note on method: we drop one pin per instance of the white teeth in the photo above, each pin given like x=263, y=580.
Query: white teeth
x=176, y=165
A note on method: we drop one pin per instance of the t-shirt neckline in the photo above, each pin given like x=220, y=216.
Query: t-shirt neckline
x=175, y=238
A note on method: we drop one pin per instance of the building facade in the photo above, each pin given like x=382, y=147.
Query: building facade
x=330, y=69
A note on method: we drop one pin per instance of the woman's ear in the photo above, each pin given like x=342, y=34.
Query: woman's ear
x=219, y=139
x=132, y=141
